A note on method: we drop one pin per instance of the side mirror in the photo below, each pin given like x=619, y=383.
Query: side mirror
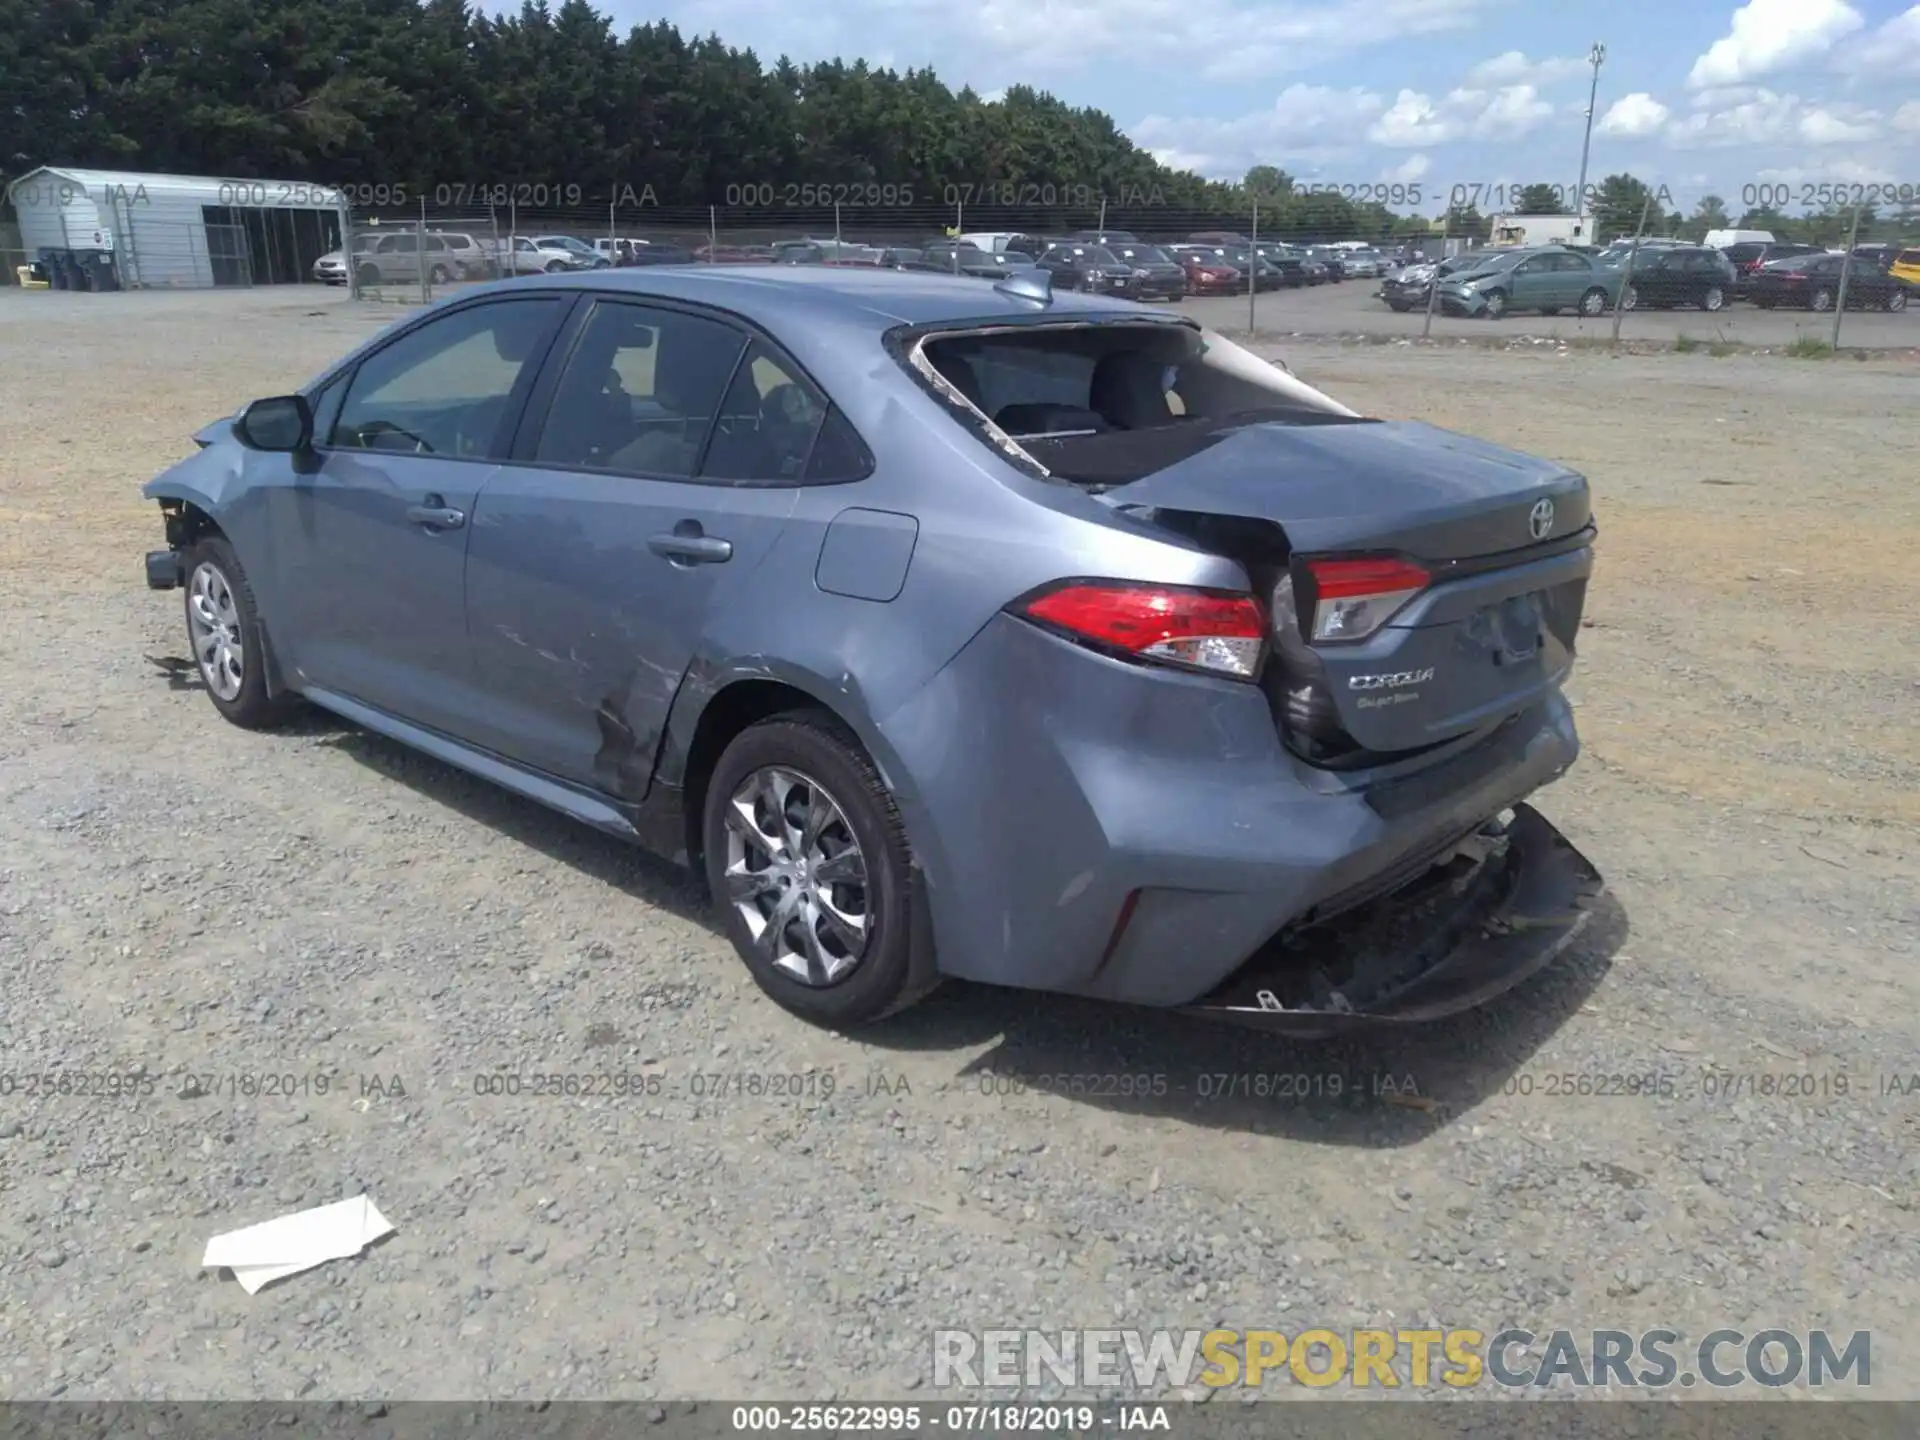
x=281, y=423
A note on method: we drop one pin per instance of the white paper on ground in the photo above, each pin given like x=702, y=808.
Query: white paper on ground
x=277, y=1248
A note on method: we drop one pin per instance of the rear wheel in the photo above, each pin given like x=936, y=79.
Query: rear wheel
x=1897, y=301
x=1821, y=300
x=807, y=858
x=1631, y=300
x=1714, y=299
x=439, y=275
x=223, y=629
x=1496, y=304
x=368, y=274
x=1594, y=302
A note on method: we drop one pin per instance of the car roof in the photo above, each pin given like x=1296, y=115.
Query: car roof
x=776, y=296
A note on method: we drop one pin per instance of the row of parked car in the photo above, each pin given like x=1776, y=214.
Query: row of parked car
x=1109, y=262
x=406, y=257
x=1106, y=262
x=1659, y=274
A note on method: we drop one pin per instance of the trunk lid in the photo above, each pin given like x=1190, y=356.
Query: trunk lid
x=1502, y=535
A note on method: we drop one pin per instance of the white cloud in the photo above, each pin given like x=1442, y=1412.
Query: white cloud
x=1846, y=172
x=993, y=97
x=1830, y=126
x=1760, y=119
x=1417, y=120
x=1772, y=35
x=1514, y=68
x=1409, y=169
x=1291, y=133
x=1633, y=115
x=1893, y=49
x=1907, y=117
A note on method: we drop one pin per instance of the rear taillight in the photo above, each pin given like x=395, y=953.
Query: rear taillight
x=1354, y=598
x=1210, y=630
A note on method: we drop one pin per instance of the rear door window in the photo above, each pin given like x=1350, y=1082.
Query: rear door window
x=640, y=392
x=767, y=422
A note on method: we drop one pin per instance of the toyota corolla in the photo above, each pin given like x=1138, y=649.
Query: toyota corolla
x=948, y=629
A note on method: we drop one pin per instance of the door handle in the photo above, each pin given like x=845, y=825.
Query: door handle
x=686, y=544
x=436, y=514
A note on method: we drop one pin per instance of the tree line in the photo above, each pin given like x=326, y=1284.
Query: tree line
x=431, y=99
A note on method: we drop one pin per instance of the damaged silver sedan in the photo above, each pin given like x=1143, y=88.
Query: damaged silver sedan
x=949, y=629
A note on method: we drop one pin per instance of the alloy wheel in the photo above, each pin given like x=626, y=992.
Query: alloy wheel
x=1897, y=301
x=1631, y=299
x=1822, y=300
x=1713, y=299
x=1594, y=302
x=796, y=875
x=213, y=619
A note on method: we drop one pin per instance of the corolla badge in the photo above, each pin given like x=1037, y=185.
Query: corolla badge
x=1540, y=519
x=1390, y=682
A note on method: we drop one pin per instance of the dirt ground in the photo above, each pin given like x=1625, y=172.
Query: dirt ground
x=188, y=904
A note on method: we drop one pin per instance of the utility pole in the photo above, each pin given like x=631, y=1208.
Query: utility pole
x=1596, y=57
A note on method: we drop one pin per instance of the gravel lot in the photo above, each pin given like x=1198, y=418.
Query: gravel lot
x=181, y=899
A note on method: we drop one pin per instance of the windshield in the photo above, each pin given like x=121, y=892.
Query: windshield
x=1089, y=254
x=1145, y=255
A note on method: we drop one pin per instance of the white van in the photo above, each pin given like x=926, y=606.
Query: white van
x=1721, y=239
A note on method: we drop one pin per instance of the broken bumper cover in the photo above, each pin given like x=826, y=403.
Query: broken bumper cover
x=1510, y=900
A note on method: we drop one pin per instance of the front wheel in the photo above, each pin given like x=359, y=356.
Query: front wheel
x=806, y=856
x=554, y=267
x=1822, y=300
x=1399, y=307
x=223, y=629
x=1496, y=304
x=1714, y=299
x=368, y=274
x=1897, y=301
x=439, y=275
x=1594, y=302
x=1631, y=300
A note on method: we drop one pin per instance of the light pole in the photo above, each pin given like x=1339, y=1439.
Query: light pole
x=1596, y=57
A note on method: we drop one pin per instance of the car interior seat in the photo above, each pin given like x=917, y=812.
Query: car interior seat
x=1127, y=391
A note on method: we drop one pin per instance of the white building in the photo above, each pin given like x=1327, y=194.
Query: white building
x=180, y=230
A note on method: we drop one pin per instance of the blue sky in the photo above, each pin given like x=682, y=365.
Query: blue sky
x=1696, y=95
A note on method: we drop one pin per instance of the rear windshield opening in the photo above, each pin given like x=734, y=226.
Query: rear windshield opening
x=1108, y=403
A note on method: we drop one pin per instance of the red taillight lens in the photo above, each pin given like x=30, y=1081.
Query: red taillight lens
x=1208, y=630
x=1354, y=598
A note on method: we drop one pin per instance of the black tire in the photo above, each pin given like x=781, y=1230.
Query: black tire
x=251, y=708
x=1594, y=302
x=1821, y=300
x=439, y=275
x=1896, y=302
x=1496, y=304
x=1630, y=298
x=1713, y=299
x=369, y=274
x=1399, y=307
x=555, y=267
x=896, y=966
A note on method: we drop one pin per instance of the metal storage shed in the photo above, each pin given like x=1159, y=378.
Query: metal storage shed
x=180, y=230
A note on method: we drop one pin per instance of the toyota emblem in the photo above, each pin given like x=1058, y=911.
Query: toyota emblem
x=1540, y=519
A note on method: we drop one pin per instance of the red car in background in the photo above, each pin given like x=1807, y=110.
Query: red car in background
x=1206, y=275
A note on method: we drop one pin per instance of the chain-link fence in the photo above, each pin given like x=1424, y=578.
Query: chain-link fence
x=1299, y=263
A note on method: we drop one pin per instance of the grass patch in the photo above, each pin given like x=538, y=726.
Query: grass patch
x=1805, y=347
x=1720, y=349
x=1686, y=344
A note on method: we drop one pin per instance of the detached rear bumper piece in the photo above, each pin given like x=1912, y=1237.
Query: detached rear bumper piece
x=1507, y=903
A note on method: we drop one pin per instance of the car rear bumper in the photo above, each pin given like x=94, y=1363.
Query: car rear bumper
x=1514, y=899
x=1096, y=828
